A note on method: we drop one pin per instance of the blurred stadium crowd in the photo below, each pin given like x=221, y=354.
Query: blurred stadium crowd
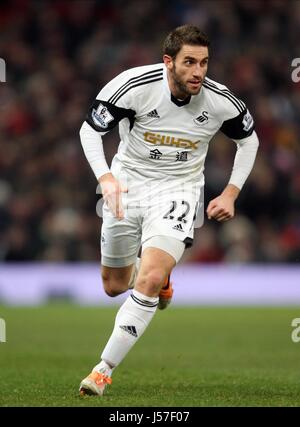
x=60, y=53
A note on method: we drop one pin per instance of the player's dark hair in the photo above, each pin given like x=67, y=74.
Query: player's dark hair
x=186, y=34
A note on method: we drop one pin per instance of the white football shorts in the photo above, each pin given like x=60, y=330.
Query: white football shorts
x=161, y=208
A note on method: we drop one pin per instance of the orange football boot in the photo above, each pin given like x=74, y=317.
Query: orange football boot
x=94, y=384
x=165, y=295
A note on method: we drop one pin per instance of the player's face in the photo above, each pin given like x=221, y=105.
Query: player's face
x=187, y=71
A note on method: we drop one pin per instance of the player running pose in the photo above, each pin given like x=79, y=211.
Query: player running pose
x=167, y=113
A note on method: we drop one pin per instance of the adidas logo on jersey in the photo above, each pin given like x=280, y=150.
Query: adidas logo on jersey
x=130, y=329
x=153, y=114
x=178, y=227
x=202, y=119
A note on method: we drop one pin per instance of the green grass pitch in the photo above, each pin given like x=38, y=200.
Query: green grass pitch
x=196, y=356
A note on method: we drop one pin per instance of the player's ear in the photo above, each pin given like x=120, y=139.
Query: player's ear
x=168, y=60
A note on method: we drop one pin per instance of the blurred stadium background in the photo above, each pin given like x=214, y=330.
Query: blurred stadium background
x=58, y=55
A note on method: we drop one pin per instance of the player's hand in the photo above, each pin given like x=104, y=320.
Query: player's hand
x=111, y=190
x=222, y=207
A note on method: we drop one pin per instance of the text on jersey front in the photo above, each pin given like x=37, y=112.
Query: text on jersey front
x=157, y=139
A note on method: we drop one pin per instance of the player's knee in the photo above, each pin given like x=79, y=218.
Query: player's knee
x=151, y=281
x=111, y=286
x=111, y=292
x=111, y=289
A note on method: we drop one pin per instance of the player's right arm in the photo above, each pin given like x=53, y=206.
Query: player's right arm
x=108, y=109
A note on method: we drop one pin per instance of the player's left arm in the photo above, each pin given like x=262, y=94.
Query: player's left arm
x=241, y=130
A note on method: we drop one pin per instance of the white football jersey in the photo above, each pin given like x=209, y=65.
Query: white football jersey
x=160, y=135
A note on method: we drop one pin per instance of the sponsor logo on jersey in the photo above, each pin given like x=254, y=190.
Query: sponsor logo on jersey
x=101, y=116
x=202, y=119
x=157, y=139
x=153, y=114
x=182, y=156
x=247, y=121
x=155, y=154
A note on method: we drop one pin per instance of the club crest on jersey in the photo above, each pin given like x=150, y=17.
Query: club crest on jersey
x=247, y=121
x=202, y=119
x=101, y=117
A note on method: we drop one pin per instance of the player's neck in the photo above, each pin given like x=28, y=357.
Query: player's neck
x=175, y=90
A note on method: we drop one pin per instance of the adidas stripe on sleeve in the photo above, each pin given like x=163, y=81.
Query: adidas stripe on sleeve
x=115, y=101
x=240, y=123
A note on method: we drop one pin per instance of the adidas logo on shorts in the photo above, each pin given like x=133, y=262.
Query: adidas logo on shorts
x=154, y=114
x=178, y=227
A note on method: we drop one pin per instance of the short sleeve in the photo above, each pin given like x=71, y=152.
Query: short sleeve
x=108, y=109
x=238, y=127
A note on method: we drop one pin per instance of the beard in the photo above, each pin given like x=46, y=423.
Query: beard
x=181, y=86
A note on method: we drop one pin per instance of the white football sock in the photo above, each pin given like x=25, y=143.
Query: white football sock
x=132, y=319
x=134, y=273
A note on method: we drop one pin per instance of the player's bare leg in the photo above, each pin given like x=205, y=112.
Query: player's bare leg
x=156, y=266
x=166, y=290
x=120, y=279
x=116, y=280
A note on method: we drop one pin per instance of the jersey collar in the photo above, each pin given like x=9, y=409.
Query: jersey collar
x=180, y=102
